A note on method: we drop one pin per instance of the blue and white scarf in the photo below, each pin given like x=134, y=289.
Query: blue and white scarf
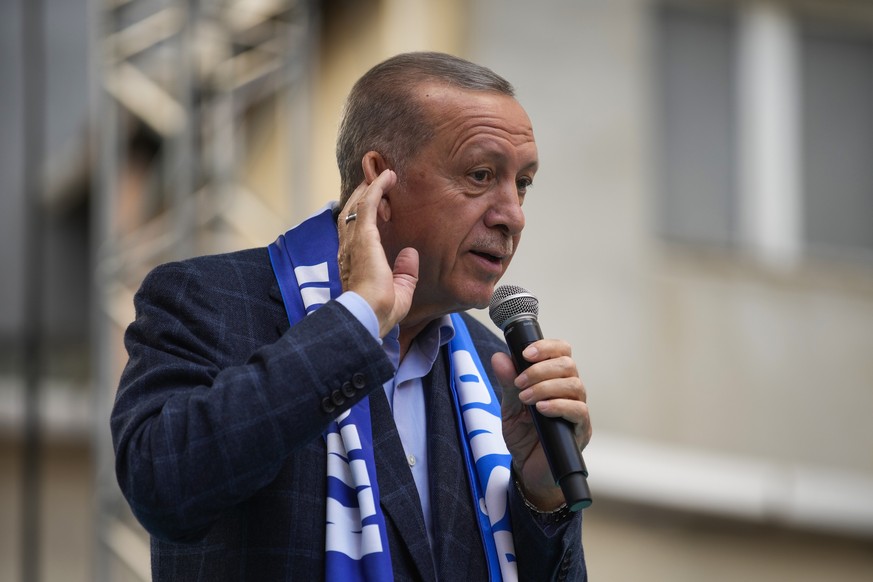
x=356, y=544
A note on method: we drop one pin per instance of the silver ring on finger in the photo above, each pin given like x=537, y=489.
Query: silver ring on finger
x=351, y=216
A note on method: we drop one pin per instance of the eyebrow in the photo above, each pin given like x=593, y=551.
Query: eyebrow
x=487, y=150
x=534, y=165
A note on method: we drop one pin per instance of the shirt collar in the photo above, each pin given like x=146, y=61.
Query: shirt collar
x=438, y=333
x=424, y=349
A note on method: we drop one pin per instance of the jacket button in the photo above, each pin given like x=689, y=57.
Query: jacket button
x=359, y=380
x=327, y=405
x=337, y=397
x=348, y=389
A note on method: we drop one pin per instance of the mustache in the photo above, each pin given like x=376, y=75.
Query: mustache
x=502, y=246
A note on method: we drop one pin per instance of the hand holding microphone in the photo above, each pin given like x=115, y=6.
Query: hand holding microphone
x=515, y=310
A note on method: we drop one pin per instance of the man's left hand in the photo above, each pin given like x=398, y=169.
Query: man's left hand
x=552, y=384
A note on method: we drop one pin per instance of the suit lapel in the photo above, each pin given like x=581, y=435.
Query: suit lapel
x=397, y=492
x=458, y=556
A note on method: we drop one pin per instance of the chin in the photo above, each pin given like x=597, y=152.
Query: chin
x=476, y=296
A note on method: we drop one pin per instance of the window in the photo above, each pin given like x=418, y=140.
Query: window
x=766, y=129
x=837, y=114
x=698, y=121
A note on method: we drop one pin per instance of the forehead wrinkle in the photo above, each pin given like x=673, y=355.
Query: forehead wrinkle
x=471, y=129
x=469, y=114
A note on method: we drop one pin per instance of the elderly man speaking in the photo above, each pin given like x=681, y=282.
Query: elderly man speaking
x=322, y=409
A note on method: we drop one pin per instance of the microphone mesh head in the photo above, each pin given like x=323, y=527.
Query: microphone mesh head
x=509, y=302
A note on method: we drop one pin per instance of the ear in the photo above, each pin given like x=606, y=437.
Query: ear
x=373, y=164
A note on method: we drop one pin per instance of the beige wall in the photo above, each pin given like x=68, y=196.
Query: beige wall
x=709, y=355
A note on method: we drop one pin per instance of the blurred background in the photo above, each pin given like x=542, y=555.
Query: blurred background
x=701, y=230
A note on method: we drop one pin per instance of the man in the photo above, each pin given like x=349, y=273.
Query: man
x=312, y=410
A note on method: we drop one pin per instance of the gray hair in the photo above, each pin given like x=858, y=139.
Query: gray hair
x=383, y=114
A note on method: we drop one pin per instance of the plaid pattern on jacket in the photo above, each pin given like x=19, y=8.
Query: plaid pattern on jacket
x=218, y=425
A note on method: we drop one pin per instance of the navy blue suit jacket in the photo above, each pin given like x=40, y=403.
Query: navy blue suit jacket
x=218, y=425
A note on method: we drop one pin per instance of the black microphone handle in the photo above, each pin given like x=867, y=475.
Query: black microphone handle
x=556, y=434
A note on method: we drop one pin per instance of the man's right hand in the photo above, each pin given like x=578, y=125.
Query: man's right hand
x=363, y=265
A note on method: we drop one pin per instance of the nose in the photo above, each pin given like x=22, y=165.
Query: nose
x=505, y=212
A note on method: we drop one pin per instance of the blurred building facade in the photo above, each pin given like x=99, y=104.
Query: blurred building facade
x=701, y=229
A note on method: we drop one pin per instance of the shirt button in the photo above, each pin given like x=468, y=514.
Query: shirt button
x=411, y=460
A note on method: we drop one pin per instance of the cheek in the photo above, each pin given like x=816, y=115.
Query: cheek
x=440, y=252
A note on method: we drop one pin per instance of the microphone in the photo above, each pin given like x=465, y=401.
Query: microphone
x=514, y=310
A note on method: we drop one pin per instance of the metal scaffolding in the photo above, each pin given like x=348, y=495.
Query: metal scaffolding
x=177, y=85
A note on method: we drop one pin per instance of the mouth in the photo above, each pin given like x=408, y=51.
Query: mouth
x=491, y=258
x=491, y=261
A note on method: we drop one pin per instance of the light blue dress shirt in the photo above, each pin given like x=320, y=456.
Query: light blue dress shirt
x=405, y=391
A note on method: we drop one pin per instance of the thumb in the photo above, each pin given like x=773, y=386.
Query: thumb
x=505, y=371
x=405, y=276
x=406, y=266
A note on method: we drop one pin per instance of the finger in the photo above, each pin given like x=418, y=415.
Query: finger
x=405, y=278
x=362, y=204
x=504, y=369
x=365, y=207
x=344, y=233
x=571, y=410
x=351, y=204
x=562, y=367
x=566, y=388
x=545, y=349
x=575, y=411
x=406, y=268
x=365, y=198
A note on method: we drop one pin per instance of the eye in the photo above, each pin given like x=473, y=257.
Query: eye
x=481, y=176
x=522, y=184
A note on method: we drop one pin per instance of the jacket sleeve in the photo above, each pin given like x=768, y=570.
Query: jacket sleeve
x=548, y=546
x=197, y=426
